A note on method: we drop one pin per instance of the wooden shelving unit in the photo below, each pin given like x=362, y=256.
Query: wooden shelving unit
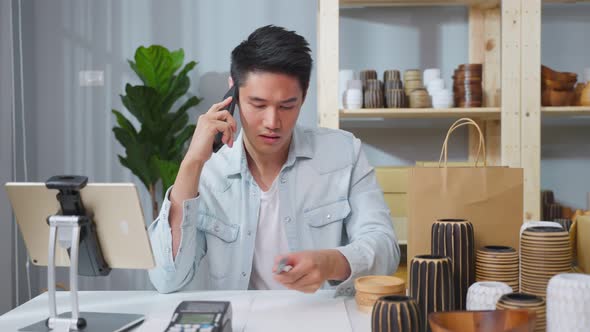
x=422, y=113
x=566, y=110
x=408, y=3
x=504, y=35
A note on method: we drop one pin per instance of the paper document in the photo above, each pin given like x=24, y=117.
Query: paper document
x=297, y=312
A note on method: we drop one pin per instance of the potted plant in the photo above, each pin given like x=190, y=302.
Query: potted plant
x=155, y=148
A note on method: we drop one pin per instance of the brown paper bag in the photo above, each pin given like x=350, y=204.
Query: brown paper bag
x=491, y=198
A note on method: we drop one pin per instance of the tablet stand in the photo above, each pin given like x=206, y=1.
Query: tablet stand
x=75, y=230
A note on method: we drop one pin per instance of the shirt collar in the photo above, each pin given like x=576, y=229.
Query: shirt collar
x=300, y=147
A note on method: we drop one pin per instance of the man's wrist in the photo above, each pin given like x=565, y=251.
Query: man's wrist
x=340, y=269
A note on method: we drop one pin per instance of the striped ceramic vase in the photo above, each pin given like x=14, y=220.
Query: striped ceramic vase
x=454, y=238
x=431, y=285
x=395, y=313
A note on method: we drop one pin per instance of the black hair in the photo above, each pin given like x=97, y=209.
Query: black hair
x=272, y=49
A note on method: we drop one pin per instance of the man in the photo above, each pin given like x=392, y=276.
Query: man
x=279, y=192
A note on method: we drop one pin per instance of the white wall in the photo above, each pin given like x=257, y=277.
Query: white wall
x=69, y=127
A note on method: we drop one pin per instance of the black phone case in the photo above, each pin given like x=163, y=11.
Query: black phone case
x=233, y=92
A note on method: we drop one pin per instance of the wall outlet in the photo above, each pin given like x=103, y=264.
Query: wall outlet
x=91, y=78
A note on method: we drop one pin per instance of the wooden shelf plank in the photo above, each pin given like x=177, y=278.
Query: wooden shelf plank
x=566, y=110
x=566, y=1
x=414, y=3
x=416, y=113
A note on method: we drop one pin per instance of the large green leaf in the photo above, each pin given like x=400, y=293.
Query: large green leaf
x=155, y=66
x=168, y=170
x=142, y=102
x=184, y=135
x=124, y=123
x=178, y=89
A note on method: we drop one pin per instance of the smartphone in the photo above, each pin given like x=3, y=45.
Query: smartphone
x=233, y=92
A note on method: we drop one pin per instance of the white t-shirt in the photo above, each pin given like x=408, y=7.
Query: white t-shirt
x=271, y=241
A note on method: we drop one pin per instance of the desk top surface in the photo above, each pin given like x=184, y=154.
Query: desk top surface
x=253, y=311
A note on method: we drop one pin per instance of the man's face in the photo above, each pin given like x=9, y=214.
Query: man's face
x=269, y=106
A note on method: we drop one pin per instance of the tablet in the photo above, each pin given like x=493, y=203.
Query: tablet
x=120, y=225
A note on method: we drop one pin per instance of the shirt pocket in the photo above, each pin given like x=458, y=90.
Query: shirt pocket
x=221, y=241
x=326, y=222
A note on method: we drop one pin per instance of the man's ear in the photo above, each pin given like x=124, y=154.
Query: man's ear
x=230, y=82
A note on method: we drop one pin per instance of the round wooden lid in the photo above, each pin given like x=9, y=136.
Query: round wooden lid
x=379, y=284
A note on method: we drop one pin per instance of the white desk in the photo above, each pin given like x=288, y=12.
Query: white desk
x=253, y=311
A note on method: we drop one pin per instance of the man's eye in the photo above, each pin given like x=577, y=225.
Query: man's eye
x=259, y=106
x=287, y=107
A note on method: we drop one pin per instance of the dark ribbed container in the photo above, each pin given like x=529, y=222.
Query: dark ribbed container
x=565, y=223
x=454, y=238
x=431, y=285
x=395, y=313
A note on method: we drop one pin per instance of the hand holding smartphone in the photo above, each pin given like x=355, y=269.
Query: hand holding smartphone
x=232, y=92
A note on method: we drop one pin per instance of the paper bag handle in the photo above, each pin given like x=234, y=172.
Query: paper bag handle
x=482, y=145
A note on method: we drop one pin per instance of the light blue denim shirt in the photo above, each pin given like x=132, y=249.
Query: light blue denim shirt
x=329, y=199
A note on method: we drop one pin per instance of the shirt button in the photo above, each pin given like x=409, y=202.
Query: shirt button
x=287, y=219
x=243, y=274
x=283, y=180
x=329, y=216
x=249, y=233
x=216, y=228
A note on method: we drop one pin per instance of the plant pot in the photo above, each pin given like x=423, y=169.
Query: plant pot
x=431, y=285
x=545, y=252
x=498, y=263
x=529, y=302
x=568, y=303
x=395, y=313
x=454, y=238
x=484, y=295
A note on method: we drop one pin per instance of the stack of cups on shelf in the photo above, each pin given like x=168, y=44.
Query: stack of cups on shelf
x=345, y=75
x=441, y=97
x=394, y=92
x=353, y=96
x=467, y=86
x=415, y=91
x=372, y=89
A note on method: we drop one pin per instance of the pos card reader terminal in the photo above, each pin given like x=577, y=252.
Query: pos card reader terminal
x=201, y=316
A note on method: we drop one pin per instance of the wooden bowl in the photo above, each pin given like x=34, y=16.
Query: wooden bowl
x=548, y=73
x=557, y=85
x=370, y=288
x=557, y=98
x=482, y=321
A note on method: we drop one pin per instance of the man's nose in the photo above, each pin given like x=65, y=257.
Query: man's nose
x=271, y=118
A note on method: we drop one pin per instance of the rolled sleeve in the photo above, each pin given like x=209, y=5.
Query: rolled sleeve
x=373, y=247
x=171, y=274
